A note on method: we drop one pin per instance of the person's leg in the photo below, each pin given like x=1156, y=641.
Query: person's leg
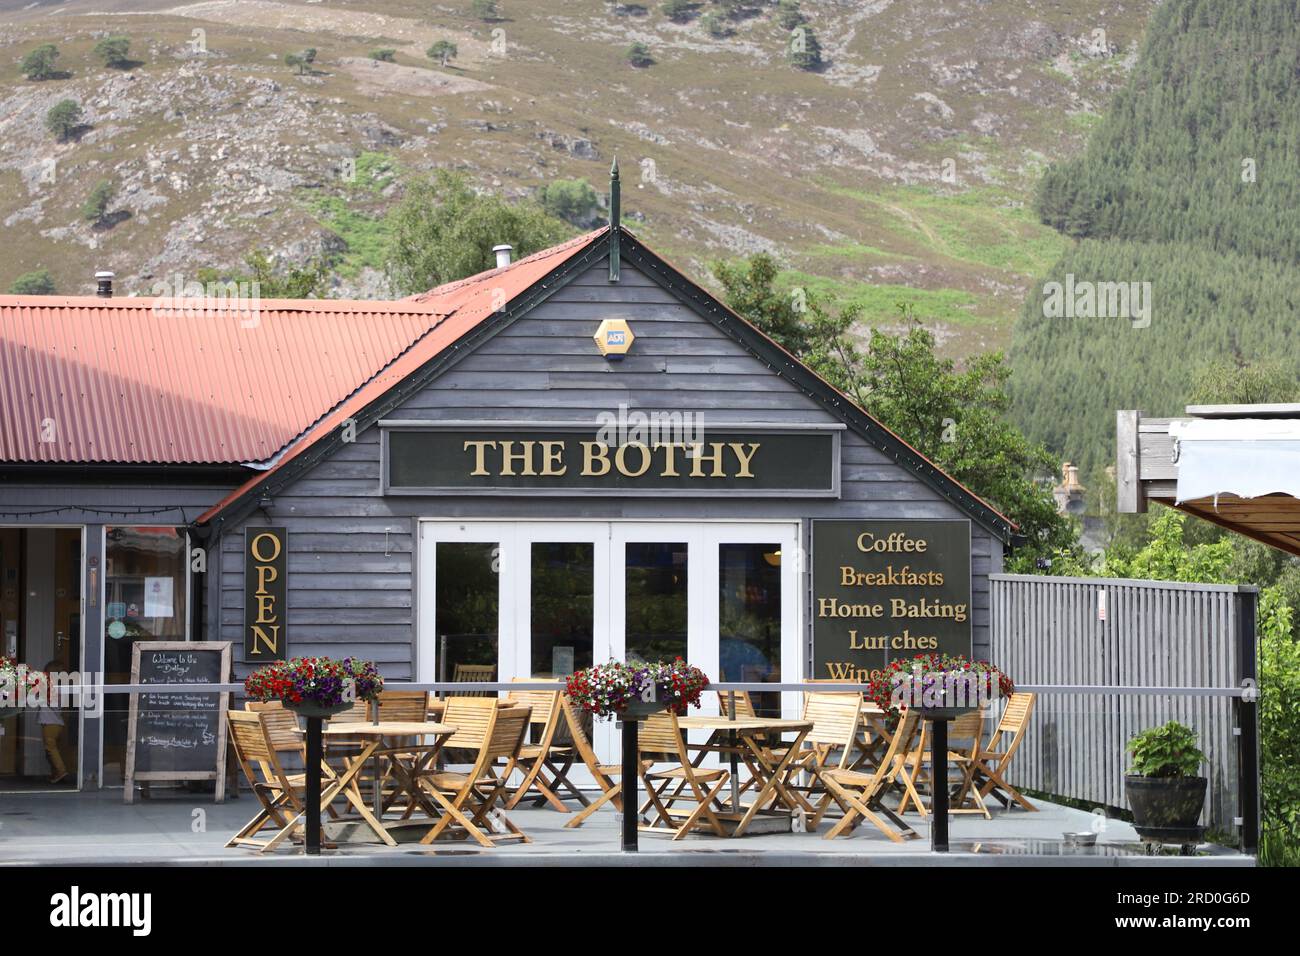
x=53, y=735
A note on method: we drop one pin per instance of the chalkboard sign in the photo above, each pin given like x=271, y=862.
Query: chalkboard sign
x=177, y=735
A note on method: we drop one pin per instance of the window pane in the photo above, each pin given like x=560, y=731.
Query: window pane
x=656, y=601
x=749, y=618
x=563, y=588
x=144, y=600
x=466, y=604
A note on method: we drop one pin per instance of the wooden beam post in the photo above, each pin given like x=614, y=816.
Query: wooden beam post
x=1128, y=482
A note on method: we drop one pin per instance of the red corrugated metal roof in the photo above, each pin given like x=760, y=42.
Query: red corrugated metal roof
x=132, y=381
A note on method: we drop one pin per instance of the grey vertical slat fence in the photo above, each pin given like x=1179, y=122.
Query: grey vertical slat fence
x=1048, y=630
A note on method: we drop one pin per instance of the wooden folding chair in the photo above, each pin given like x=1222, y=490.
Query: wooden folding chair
x=468, y=800
x=280, y=793
x=465, y=673
x=991, y=764
x=917, y=770
x=830, y=744
x=659, y=739
x=605, y=775
x=546, y=763
x=860, y=795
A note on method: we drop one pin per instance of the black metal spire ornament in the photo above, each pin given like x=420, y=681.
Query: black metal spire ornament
x=614, y=215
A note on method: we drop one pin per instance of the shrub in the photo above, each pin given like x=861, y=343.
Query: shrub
x=638, y=54
x=486, y=10
x=95, y=208
x=63, y=118
x=114, y=51
x=442, y=51
x=803, y=49
x=678, y=11
x=386, y=54
x=38, y=64
x=36, y=282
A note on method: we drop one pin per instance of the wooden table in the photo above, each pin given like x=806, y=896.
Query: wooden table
x=377, y=742
x=738, y=738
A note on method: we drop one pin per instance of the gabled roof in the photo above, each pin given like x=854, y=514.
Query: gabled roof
x=91, y=380
x=127, y=381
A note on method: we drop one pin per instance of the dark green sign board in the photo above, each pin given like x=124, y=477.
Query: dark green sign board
x=266, y=590
x=888, y=589
x=525, y=460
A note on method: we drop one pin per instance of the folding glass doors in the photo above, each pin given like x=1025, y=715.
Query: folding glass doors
x=500, y=600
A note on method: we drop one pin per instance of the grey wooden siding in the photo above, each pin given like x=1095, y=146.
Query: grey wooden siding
x=1156, y=634
x=350, y=560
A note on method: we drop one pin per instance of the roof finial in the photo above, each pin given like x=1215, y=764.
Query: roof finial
x=614, y=216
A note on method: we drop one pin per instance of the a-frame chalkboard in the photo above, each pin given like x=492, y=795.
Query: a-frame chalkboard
x=177, y=736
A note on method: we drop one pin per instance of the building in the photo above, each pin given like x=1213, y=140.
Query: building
x=577, y=456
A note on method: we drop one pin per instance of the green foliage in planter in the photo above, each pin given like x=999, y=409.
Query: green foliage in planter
x=1168, y=751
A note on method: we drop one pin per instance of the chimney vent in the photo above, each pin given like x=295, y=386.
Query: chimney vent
x=104, y=284
x=503, y=254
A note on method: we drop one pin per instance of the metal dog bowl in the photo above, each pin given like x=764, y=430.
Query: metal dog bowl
x=1080, y=839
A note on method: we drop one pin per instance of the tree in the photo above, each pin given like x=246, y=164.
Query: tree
x=443, y=230
x=36, y=282
x=63, y=119
x=638, y=54
x=486, y=10
x=1231, y=382
x=302, y=61
x=570, y=199
x=803, y=49
x=955, y=417
x=387, y=54
x=114, y=51
x=790, y=15
x=442, y=51
x=95, y=208
x=678, y=11
x=38, y=64
x=309, y=280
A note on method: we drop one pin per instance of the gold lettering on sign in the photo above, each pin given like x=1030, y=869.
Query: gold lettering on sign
x=697, y=467
x=743, y=458
x=509, y=456
x=553, y=459
x=267, y=612
x=670, y=458
x=620, y=460
x=480, y=452
x=595, y=453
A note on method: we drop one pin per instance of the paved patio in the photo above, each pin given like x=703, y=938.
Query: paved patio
x=176, y=828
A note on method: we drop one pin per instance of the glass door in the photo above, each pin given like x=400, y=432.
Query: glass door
x=463, y=609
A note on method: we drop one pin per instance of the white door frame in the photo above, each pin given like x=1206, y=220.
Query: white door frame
x=609, y=537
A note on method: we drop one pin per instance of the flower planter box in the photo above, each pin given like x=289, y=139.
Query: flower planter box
x=1165, y=802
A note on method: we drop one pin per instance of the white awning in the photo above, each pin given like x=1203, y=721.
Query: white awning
x=1246, y=457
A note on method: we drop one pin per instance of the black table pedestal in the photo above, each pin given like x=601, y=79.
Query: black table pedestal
x=939, y=784
x=631, y=774
x=313, y=785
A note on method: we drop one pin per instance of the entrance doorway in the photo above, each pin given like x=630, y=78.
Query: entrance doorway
x=506, y=600
x=41, y=627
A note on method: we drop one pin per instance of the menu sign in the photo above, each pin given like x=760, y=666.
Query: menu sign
x=177, y=734
x=888, y=589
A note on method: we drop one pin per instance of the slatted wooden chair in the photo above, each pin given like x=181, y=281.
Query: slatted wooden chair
x=992, y=763
x=861, y=794
x=660, y=740
x=744, y=703
x=836, y=719
x=466, y=673
x=605, y=775
x=545, y=764
x=280, y=793
x=916, y=773
x=468, y=800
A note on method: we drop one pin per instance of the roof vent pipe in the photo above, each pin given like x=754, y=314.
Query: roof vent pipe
x=104, y=284
x=503, y=255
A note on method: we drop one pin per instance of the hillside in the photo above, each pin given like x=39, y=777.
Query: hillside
x=1190, y=185
x=902, y=169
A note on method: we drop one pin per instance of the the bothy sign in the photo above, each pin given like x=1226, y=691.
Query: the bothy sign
x=888, y=589
x=266, y=571
x=565, y=461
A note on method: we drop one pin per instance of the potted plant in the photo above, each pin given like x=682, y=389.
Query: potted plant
x=941, y=686
x=315, y=686
x=633, y=691
x=1164, y=788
